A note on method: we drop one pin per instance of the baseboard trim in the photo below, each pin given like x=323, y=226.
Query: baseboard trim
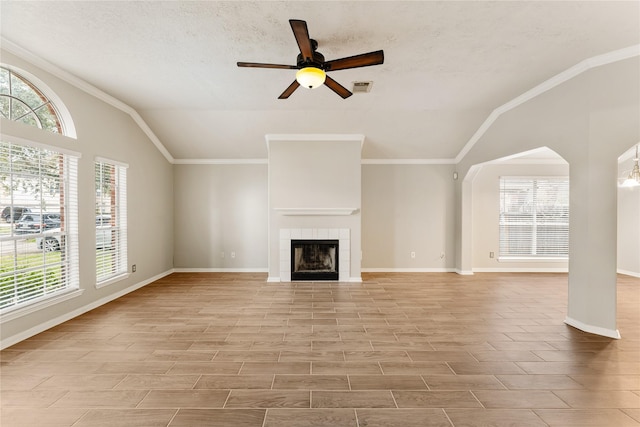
x=629, y=273
x=408, y=270
x=596, y=330
x=220, y=270
x=522, y=270
x=356, y=279
x=9, y=341
x=464, y=272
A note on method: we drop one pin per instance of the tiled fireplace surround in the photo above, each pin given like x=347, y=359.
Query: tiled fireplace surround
x=343, y=235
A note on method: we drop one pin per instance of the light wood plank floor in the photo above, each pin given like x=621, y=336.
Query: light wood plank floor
x=397, y=350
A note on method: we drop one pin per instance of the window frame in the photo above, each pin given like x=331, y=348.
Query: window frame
x=70, y=260
x=117, y=228
x=560, y=220
x=65, y=124
x=29, y=110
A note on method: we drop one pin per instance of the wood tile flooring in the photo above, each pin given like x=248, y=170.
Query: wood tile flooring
x=396, y=350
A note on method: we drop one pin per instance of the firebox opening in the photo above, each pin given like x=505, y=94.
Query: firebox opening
x=314, y=260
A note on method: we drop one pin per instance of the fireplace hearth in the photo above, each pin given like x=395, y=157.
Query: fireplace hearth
x=315, y=259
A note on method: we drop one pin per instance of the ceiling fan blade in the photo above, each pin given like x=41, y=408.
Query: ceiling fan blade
x=259, y=65
x=363, y=60
x=288, y=91
x=301, y=32
x=337, y=88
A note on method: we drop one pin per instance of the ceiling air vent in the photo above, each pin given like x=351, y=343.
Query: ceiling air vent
x=362, y=87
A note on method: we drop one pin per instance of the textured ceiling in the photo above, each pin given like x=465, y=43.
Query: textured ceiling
x=447, y=64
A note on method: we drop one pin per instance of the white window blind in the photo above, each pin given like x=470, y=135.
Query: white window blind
x=534, y=217
x=111, y=220
x=39, y=228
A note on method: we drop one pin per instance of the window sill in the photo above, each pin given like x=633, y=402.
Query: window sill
x=112, y=280
x=11, y=313
x=530, y=259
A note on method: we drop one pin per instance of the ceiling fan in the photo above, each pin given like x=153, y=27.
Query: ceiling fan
x=312, y=67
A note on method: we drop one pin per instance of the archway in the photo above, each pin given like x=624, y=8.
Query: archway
x=628, y=254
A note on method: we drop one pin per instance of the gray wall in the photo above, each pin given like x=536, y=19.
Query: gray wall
x=405, y=208
x=408, y=208
x=107, y=132
x=220, y=209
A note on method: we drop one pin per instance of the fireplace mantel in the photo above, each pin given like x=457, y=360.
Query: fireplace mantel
x=316, y=211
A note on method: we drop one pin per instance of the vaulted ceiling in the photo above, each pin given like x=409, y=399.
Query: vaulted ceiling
x=447, y=66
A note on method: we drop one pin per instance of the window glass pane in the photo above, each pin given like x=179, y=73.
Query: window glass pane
x=4, y=81
x=4, y=106
x=48, y=118
x=30, y=119
x=19, y=109
x=26, y=93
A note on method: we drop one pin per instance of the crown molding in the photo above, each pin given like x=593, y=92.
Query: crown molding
x=317, y=211
x=408, y=161
x=58, y=72
x=221, y=161
x=558, y=79
x=308, y=137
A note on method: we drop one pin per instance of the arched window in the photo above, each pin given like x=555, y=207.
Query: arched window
x=22, y=101
x=38, y=199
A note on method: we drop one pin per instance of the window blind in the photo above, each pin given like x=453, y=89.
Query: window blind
x=38, y=241
x=534, y=217
x=111, y=220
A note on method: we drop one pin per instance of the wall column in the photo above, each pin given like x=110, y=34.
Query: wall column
x=466, y=235
x=592, y=236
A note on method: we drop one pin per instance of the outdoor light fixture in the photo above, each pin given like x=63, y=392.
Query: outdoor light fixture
x=310, y=77
x=633, y=180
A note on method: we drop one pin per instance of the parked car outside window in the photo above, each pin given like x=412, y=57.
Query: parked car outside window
x=52, y=239
x=18, y=211
x=37, y=223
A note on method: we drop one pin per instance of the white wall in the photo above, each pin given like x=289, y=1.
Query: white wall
x=405, y=209
x=486, y=212
x=220, y=209
x=104, y=131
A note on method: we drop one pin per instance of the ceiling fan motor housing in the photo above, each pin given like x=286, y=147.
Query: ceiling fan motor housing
x=317, y=61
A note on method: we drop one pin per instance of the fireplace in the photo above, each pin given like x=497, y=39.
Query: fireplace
x=315, y=259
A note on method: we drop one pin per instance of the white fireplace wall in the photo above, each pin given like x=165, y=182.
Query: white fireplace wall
x=315, y=184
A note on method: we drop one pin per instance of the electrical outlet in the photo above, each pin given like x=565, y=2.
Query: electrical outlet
x=491, y=254
x=133, y=268
x=233, y=254
x=413, y=255
x=442, y=255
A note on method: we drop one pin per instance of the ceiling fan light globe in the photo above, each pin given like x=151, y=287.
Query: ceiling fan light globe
x=311, y=77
